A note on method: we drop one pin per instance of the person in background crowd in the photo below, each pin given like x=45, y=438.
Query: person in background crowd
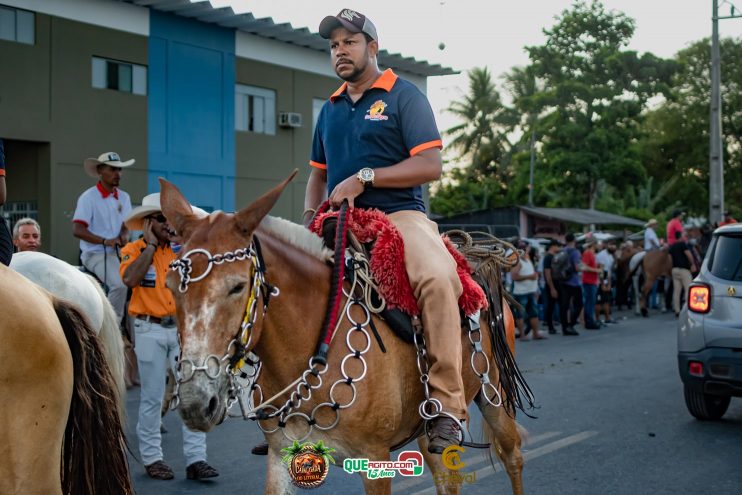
x=551, y=292
x=606, y=263
x=27, y=235
x=99, y=224
x=682, y=265
x=144, y=267
x=570, y=290
x=728, y=219
x=590, y=272
x=651, y=241
x=6, y=243
x=675, y=225
x=525, y=291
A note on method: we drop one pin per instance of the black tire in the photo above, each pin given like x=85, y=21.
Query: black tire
x=705, y=406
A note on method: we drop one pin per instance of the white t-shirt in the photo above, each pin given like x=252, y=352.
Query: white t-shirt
x=103, y=216
x=606, y=259
x=525, y=286
x=651, y=241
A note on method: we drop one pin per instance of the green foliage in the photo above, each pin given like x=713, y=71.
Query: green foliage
x=676, y=141
x=614, y=130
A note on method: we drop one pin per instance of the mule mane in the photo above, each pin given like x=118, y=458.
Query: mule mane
x=297, y=236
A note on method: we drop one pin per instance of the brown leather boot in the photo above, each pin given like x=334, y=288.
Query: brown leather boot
x=444, y=432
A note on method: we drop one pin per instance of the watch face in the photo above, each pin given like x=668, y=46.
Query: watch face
x=367, y=175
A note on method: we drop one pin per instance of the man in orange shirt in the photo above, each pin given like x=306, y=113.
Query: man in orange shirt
x=144, y=266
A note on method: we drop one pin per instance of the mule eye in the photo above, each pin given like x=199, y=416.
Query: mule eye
x=237, y=288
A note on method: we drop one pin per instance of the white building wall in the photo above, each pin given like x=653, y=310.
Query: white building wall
x=275, y=52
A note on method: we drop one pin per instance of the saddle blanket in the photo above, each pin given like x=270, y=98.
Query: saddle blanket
x=387, y=261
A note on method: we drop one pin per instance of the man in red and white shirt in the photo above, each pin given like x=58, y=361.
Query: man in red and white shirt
x=99, y=224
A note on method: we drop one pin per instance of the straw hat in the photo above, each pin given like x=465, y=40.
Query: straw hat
x=151, y=204
x=109, y=158
x=651, y=222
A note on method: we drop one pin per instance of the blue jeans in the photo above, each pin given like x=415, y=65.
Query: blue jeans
x=156, y=348
x=590, y=293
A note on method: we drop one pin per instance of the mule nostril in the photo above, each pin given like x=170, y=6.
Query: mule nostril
x=213, y=403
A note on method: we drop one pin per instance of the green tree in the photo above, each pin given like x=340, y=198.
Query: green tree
x=594, y=95
x=478, y=179
x=481, y=138
x=676, y=134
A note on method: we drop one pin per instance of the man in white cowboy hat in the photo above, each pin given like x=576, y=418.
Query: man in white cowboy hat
x=144, y=266
x=651, y=241
x=99, y=224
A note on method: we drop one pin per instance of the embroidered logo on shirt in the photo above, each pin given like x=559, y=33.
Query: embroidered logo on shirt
x=376, y=112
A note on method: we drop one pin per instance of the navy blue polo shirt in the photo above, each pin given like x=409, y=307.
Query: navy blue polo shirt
x=389, y=123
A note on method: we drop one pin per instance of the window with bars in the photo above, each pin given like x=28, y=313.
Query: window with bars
x=120, y=76
x=255, y=109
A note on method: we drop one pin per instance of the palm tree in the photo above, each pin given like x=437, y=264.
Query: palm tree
x=482, y=136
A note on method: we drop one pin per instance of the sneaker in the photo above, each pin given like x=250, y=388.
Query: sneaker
x=570, y=331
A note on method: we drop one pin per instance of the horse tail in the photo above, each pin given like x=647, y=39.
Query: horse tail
x=94, y=448
x=113, y=346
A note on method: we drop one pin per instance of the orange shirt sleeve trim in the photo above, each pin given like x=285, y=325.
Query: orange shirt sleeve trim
x=81, y=222
x=318, y=165
x=426, y=146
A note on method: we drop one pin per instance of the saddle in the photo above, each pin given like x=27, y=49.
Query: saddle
x=372, y=234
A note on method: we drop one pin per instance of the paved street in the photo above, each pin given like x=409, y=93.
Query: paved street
x=611, y=420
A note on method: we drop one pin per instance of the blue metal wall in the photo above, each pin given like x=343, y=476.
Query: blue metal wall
x=191, y=109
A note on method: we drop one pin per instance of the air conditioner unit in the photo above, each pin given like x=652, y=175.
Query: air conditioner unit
x=289, y=119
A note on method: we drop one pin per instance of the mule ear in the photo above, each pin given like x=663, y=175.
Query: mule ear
x=248, y=218
x=175, y=207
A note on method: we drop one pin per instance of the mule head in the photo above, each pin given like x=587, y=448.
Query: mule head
x=211, y=309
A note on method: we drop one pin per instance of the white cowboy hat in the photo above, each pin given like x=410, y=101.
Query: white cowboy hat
x=109, y=158
x=651, y=222
x=150, y=205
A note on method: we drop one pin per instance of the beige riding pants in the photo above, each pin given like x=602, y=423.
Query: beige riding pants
x=681, y=279
x=436, y=285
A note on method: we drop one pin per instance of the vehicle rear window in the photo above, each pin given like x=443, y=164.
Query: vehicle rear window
x=726, y=259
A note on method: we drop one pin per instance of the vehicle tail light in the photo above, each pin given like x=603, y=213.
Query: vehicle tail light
x=699, y=298
x=695, y=368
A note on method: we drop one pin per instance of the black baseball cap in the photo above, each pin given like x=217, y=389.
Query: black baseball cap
x=353, y=21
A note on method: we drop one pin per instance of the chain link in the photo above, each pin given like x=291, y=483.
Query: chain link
x=475, y=338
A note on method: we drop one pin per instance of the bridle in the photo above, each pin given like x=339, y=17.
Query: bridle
x=235, y=356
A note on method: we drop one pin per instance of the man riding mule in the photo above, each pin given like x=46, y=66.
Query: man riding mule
x=375, y=145
x=247, y=285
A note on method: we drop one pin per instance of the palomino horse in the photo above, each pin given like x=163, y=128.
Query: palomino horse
x=70, y=284
x=651, y=264
x=60, y=430
x=362, y=420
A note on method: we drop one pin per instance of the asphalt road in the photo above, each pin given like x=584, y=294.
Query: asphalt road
x=611, y=419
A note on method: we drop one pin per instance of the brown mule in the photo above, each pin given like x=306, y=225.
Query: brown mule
x=384, y=410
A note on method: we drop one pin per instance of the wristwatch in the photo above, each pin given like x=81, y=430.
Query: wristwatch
x=366, y=176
